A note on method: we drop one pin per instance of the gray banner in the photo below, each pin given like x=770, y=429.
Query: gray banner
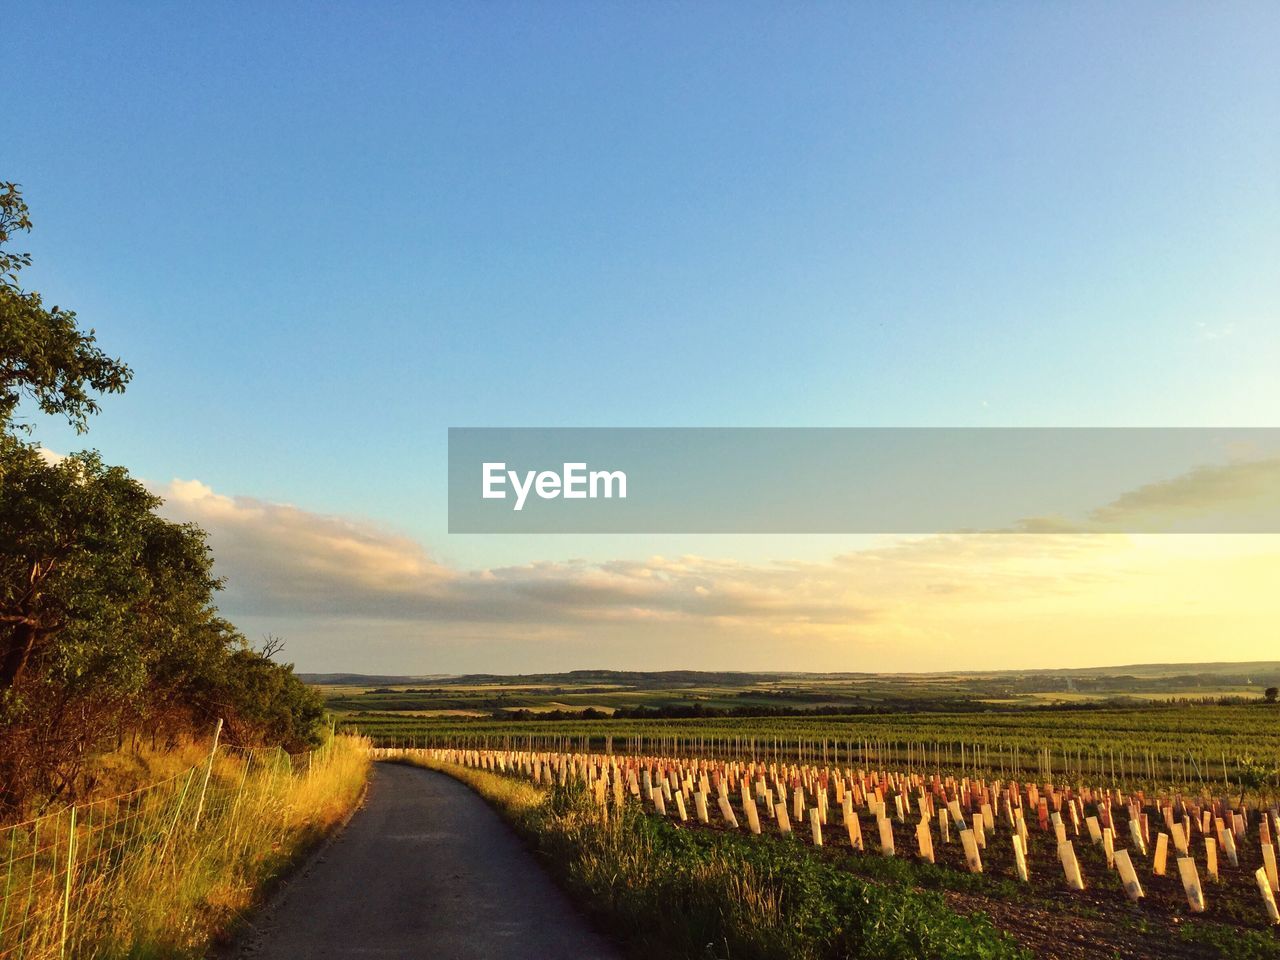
x=863, y=480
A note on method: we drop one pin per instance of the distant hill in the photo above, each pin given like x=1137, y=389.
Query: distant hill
x=1254, y=672
x=1242, y=668
x=368, y=679
x=631, y=678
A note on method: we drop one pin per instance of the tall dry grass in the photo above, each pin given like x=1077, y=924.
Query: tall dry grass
x=162, y=870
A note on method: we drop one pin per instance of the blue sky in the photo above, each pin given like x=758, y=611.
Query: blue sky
x=324, y=233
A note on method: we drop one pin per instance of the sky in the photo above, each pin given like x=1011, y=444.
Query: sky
x=322, y=234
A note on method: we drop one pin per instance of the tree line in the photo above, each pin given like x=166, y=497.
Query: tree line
x=109, y=633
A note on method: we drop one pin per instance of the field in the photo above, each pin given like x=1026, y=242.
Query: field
x=603, y=817
x=670, y=893
x=608, y=691
x=1151, y=746
x=1203, y=725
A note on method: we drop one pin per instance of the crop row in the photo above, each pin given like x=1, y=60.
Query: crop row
x=1180, y=855
x=1226, y=746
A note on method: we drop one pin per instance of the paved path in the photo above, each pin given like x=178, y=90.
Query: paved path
x=424, y=869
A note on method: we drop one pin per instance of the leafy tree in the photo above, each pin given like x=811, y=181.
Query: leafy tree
x=96, y=591
x=85, y=558
x=44, y=355
x=264, y=702
x=1271, y=693
x=107, y=617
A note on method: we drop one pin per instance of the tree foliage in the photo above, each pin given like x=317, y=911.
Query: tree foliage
x=108, y=628
x=44, y=355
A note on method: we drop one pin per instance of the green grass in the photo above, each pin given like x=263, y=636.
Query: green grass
x=670, y=893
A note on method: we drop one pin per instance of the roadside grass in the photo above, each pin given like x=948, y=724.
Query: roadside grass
x=221, y=871
x=158, y=873
x=668, y=893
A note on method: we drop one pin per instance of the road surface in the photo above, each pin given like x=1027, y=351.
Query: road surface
x=424, y=869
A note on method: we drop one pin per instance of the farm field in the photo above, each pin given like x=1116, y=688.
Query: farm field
x=1147, y=745
x=610, y=691
x=1103, y=729
x=1047, y=867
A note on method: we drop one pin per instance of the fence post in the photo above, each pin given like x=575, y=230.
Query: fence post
x=217, y=732
x=66, y=889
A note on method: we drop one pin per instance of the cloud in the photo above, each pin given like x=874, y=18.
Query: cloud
x=1216, y=331
x=1242, y=496
x=1217, y=495
x=279, y=559
x=356, y=595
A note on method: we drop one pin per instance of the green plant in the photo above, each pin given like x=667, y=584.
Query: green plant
x=667, y=892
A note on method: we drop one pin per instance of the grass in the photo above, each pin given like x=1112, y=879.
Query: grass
x=165, y=870
x=669, y=893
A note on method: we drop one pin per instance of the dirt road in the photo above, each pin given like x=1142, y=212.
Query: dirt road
x=424, y=869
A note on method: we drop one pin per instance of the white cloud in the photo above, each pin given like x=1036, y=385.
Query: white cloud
x=934, y=602
x=282, y=561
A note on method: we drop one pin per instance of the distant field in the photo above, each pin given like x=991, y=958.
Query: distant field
x=682, y=692
x=1148, y=725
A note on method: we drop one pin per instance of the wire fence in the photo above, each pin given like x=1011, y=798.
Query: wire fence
x=91, y=878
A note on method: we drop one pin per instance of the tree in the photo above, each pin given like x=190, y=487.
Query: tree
x=1271, y=693
x=264, y=702
x=107, y=615
x=83, y=553
x=96, y=592
x=44, y=355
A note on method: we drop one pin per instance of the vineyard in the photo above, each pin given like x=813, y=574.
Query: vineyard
x=1220, y=747
x=1198, y=865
